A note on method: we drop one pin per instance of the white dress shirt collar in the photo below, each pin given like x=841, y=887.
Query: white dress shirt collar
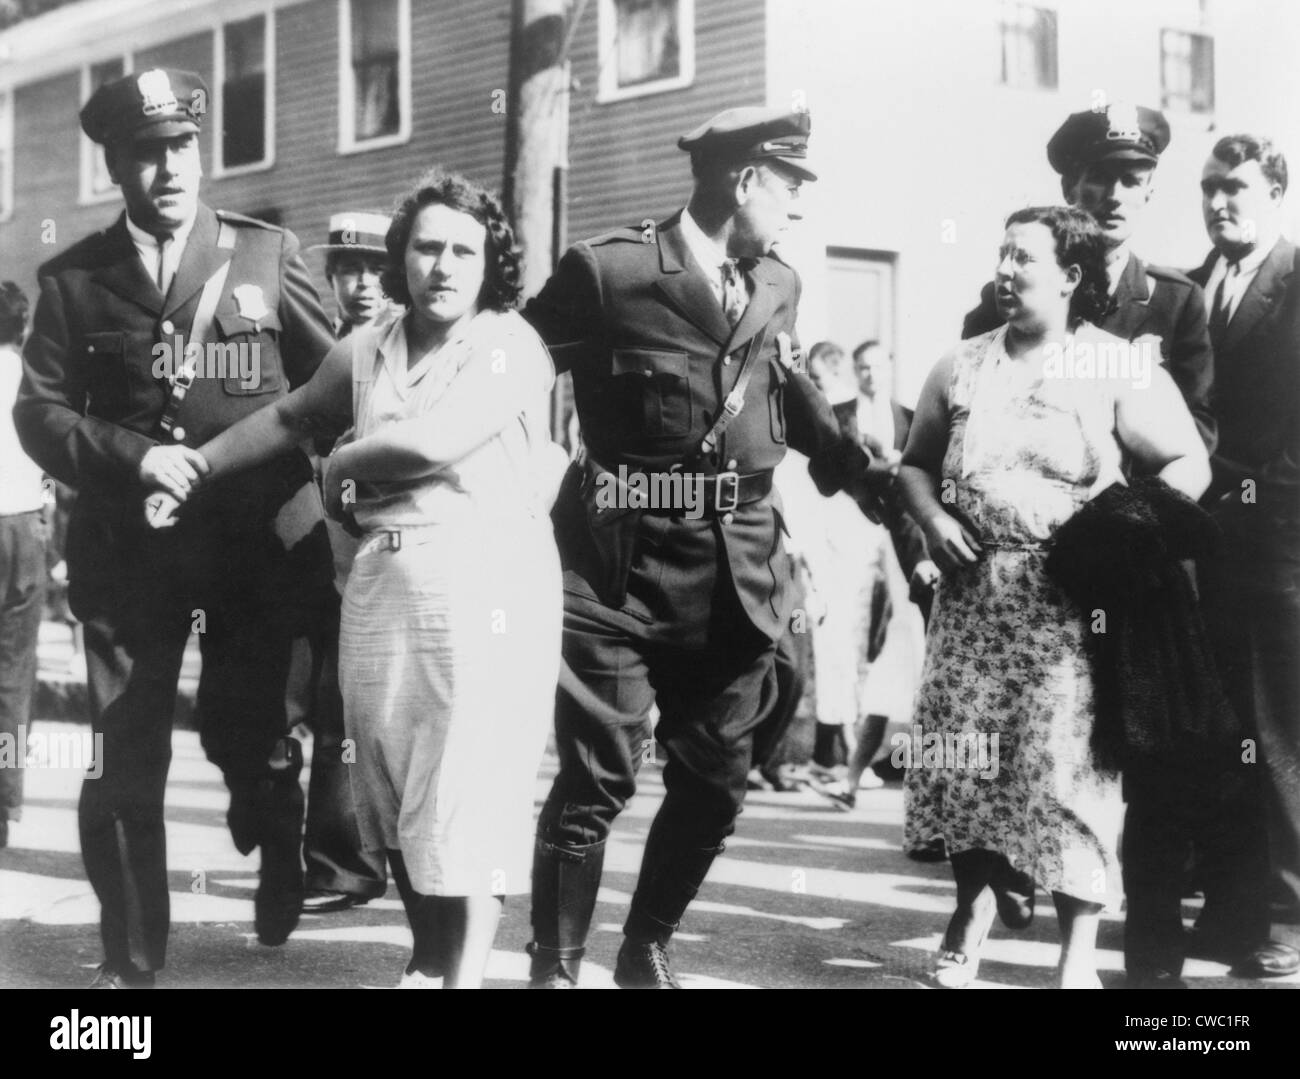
x=709, y=254
x=147, y=245
x=1247, y=267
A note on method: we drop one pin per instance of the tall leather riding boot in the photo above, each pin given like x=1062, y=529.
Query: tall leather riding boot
x=268, y=812
x=671, y=875
x=565, y=882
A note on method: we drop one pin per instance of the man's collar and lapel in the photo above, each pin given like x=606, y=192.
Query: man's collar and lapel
x=200, y=260
x=121, y=271
x=685, y=285
x=1267, y=288
x=687, y=289
x=1130, y=305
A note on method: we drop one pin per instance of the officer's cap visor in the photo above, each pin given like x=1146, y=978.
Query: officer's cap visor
x=796, y=165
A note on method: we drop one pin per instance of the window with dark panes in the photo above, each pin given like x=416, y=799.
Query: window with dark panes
x=1028, y=47
x=105, y=71
x=377, y=107
x=1186, y=71
x=648, y=41
x=243, y=93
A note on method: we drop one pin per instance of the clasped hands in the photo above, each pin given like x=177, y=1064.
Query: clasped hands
x=173, y=473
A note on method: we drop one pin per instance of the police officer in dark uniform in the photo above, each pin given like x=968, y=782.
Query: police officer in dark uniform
x=1106, y=159
x=113, y=399
x=680, y=338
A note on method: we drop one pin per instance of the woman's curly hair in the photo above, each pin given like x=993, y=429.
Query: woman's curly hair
x=1079, y=242
x=501, y=272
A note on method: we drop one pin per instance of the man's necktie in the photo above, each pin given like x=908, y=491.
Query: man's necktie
x=163, y=240
x=1219, y=311
x=735, y=295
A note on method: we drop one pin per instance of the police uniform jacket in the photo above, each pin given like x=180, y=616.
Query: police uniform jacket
x=1257, y=401
x=634, y=319
x=1149, y=300
x=91, y=400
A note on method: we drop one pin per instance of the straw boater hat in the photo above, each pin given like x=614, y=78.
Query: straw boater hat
x=356, y=230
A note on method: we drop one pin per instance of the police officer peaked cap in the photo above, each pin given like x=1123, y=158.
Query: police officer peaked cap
x=754, y=134
x=160, y=103
x=1123, y=132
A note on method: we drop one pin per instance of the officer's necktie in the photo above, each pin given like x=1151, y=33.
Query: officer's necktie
x=163, y=239
x=735, y=295
x=1219, y=312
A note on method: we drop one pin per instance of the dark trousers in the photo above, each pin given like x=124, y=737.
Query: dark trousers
x=769, y=736
x=1253, y=610
x=139, y=595
x=22, y=594
x=710, y=701
x=331, y=845
x=1173, y=811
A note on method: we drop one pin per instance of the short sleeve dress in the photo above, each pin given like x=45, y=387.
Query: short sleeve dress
x=450, y=637
x=1005, y=662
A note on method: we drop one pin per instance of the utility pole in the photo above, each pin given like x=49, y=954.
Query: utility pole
x=537, y=133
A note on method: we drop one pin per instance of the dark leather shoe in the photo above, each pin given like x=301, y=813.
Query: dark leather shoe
x=643, y=966
x=108, y=978
x=1269, y=960
x=552, y=968
x=320, y=901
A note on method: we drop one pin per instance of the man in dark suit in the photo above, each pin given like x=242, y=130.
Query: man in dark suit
x=149, y=338
x=680, y=340
x=1252, y=593
x=872, y=368
x=1106, y=160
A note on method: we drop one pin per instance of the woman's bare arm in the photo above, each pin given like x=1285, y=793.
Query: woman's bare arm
x=1155, y=426
x=322, y=405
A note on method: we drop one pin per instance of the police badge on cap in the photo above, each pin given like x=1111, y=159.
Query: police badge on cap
x=1118, y=131
x=158, y=103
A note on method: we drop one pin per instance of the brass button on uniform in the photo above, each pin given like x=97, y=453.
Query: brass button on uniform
x=731, y=464
x=178, y=433
x=727, y=518
x=167, y=326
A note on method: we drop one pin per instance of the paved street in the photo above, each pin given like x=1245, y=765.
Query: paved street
x=804, y=897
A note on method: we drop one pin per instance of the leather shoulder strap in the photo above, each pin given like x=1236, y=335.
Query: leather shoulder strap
x=200, y=329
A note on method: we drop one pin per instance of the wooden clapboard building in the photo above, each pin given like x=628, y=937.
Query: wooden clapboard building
x=325, y=105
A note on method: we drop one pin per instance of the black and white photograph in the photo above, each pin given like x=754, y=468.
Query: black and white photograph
x=651, y=494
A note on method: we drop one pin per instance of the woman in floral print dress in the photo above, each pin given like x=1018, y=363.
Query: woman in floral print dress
x=1007, y=445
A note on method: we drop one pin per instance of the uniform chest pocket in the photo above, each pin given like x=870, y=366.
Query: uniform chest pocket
x=653, y=387
x=246, y=354
x=107, y=379
x=776, y=401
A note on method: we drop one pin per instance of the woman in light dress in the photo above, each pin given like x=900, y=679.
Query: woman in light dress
x=450, y=637
x=1006, y=446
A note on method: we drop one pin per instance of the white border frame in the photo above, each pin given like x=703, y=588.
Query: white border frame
x=348, y=143
x=608, y=89
x=90, y=151
x=219, y=167
x=7, y=141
